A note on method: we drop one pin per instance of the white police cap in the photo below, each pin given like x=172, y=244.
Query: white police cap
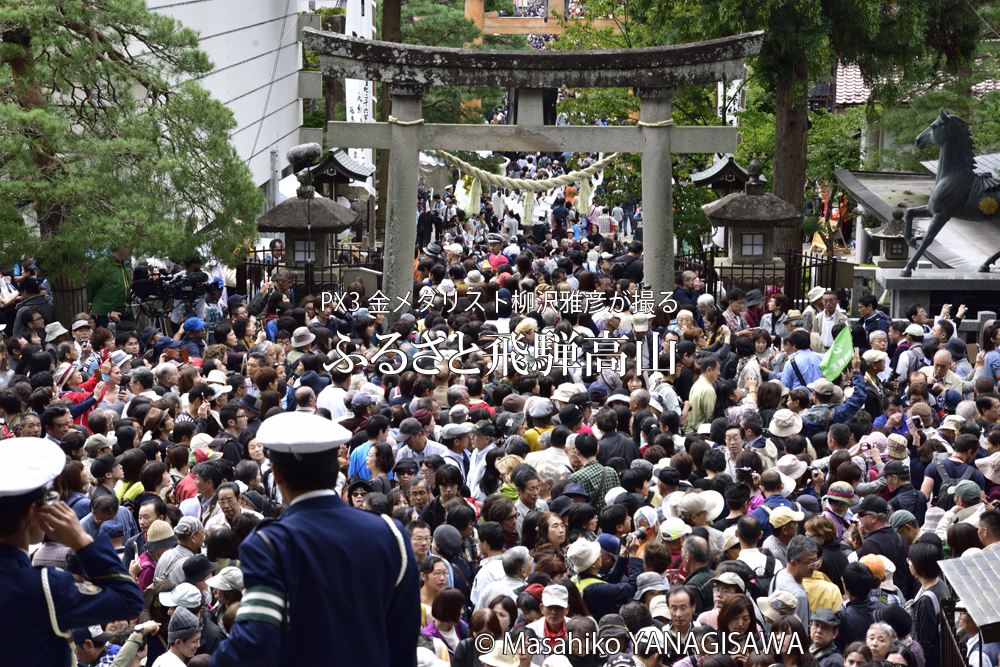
x=301, y=438
x=27, y=465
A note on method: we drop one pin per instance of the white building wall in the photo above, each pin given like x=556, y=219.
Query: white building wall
x=254, y=47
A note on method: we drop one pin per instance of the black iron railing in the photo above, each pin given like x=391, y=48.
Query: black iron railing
x=310, y=277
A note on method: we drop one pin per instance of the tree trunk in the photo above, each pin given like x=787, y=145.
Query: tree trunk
x=391, y=32
x=791, y=126
x=69, y=294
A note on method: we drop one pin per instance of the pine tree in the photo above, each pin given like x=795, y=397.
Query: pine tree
x=108, y=141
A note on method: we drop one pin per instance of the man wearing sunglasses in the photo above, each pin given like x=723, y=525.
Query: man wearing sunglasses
x=41, y=606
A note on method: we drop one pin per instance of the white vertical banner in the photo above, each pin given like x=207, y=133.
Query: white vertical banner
x=359, y=96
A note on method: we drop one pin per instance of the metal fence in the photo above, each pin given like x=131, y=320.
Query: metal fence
x=802, y=272
x=952, y=654
x=310, y=278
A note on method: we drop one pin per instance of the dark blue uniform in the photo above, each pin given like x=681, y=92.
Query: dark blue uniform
x=24, y=613
x=331, y=594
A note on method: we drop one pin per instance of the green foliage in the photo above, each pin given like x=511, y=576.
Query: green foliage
x=834, y=144
x=757, y=128
x=965, y=90
x=107, y=139
x=811, y=225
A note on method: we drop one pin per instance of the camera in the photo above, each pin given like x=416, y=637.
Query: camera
x=187, y=287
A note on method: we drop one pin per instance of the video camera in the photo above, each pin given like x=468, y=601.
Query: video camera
x=187, y=287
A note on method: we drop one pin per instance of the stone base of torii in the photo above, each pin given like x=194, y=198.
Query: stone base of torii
x=654, y=73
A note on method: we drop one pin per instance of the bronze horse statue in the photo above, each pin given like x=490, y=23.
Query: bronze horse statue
x=958, y=192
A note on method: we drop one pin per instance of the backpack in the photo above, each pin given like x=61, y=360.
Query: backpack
x=947, y=500
x=764, y=578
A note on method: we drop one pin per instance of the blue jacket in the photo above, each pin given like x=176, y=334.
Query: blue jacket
x=109, y=595
x=608, y=597
x=326, y=555
x=840, y=414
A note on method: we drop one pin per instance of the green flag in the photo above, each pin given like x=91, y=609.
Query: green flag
x=837, y=357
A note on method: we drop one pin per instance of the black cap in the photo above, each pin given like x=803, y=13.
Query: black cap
x=895, y=468
x=485, y=427
x=103, y=464
x=685, y=347
x=669, y=476
x=560, y=505
x=872, y=504
x=897, y=618
x=197, y=569
x=406, y=464
x=571, y=415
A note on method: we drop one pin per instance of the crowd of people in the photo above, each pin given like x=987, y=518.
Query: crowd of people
x=744, y=488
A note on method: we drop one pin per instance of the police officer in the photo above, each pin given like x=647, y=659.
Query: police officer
x=40, y=607
x=325, y=582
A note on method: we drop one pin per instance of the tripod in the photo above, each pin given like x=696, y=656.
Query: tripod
x=149, y=313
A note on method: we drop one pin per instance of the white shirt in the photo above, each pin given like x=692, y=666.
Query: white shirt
x=553, y=456
x=221, y=520
x=477, y=465
x=431, y=448
x=827, y=334
x=332, y=398
x=489, y=573
x=755, y=559
x=168, y=659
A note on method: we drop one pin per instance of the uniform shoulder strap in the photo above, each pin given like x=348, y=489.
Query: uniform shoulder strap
x=402, y=547
x=68, y=636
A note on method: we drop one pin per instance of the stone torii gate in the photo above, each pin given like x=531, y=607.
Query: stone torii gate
x=654, y=73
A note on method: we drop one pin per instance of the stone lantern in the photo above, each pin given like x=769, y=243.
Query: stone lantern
x=750, y=218
x=893, y=251
x=307, y=221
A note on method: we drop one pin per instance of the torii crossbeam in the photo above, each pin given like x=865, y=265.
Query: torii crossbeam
x=654, y=73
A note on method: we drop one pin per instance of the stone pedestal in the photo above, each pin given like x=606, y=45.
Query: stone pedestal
x=918, y=288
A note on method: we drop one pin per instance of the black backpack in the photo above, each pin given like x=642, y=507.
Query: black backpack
x=764, y=578
x=947, y=500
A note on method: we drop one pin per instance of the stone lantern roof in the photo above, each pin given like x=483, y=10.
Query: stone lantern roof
x=754, y=208
x=894, y=228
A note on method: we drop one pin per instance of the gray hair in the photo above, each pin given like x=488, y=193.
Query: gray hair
x=284, y=274
x=549, y=473
x=967, y=410
x=514, y=559
x=143, y=376
x=456, y=394
x=641, y=397
x=697, y=548
x=800, y=546
x=163, y=371
x=706, y=300
x=886, y=628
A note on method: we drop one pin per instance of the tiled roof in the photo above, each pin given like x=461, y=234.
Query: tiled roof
x=987, y=163
x=850, y=88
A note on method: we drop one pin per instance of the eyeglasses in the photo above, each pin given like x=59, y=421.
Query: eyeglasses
x=359, y=494
x=420, y=540
x=511, y=517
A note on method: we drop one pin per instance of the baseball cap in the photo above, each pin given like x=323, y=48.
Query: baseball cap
x=730, y=579
x=165, y=342
x=555, y=595
x=822, y=386
x=193, y=324
x=967, y=490
x=228, y=579
x=103, y=464
x=79, y=324
x=609, y=542
x=183, y=595
x=571, y=415
x=94, y=633
x=900, y=518
x=782, y=515
x=873, y=505
x=777, y=604
x=894, y=468
x=914, y=330
x=112, y=529
x=825, y=616
x=361, y=400
x=484, y=427
x=673, y=529
x=409, y=427
x=97, y=442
